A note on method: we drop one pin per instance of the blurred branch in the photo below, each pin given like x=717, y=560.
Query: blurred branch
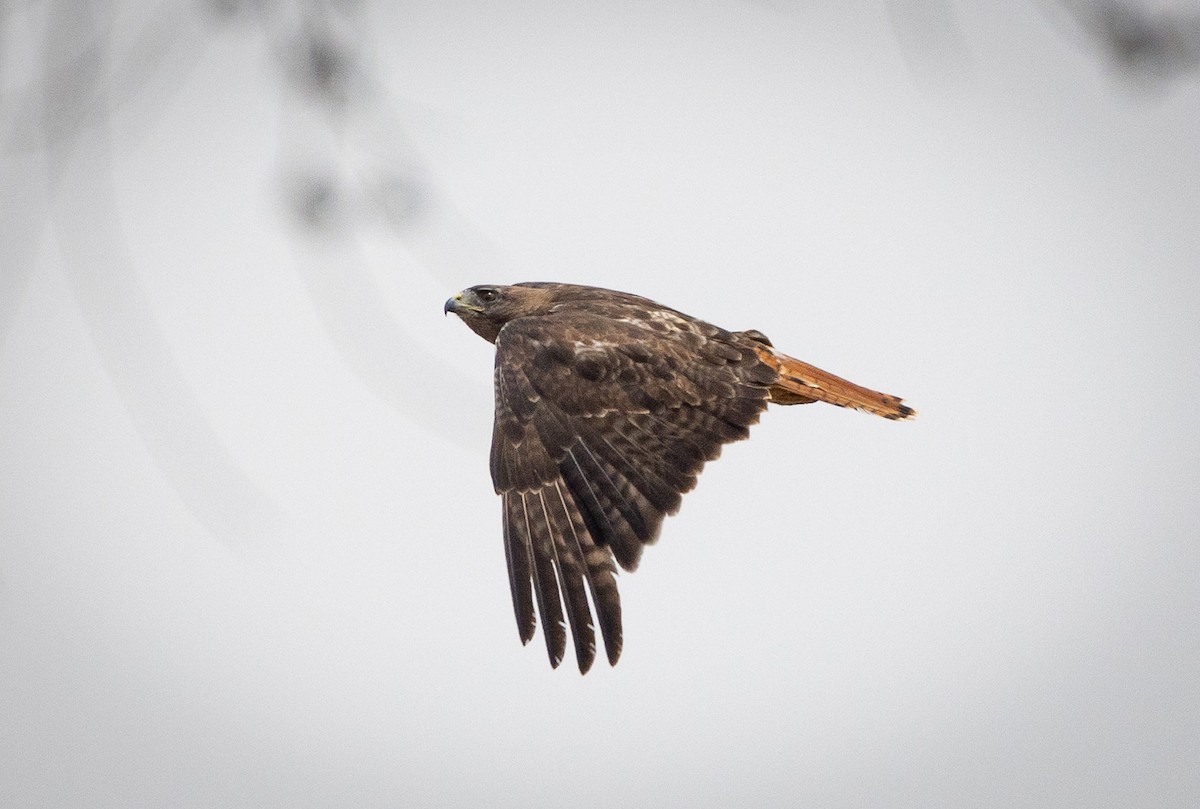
x=1160, y=45
x=71, y=118
x=56, y=166
x=350, y=163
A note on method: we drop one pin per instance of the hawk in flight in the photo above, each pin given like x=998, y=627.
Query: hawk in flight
x=607, y=407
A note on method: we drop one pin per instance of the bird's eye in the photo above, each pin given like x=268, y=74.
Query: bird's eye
x=487, y=294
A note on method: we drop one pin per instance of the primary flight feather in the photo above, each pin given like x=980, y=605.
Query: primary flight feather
x=608, y=405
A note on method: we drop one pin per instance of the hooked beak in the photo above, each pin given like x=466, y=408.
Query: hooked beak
x=456, y=305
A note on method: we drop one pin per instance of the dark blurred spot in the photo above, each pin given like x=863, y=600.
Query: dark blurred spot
x=314, y=200
x=402, y=199
x=226, y=9
x=1158, y=45
x=320, y=66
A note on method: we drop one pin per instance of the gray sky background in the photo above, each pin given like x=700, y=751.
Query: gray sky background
x=249, y=549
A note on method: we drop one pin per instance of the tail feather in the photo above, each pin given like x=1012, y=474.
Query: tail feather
x=801, y=383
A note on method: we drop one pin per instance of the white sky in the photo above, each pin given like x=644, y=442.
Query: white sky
x=249, y=549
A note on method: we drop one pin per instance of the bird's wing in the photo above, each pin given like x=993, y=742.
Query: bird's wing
x=601, y=425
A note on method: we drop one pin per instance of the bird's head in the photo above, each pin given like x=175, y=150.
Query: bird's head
x=487, y=307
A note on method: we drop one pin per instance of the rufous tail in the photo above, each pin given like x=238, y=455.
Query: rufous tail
x=801, y=383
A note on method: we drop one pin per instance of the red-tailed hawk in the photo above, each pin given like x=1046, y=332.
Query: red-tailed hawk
x=607, y=407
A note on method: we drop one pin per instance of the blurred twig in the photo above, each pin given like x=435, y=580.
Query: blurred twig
x=1141, y=43
x=119, y=320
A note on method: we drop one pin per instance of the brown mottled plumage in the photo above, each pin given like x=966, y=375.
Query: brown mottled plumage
x=608, y=405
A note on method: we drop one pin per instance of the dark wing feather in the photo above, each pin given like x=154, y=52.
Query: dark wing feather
x=535, y=526
x=518, y=555
x=603, y=420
